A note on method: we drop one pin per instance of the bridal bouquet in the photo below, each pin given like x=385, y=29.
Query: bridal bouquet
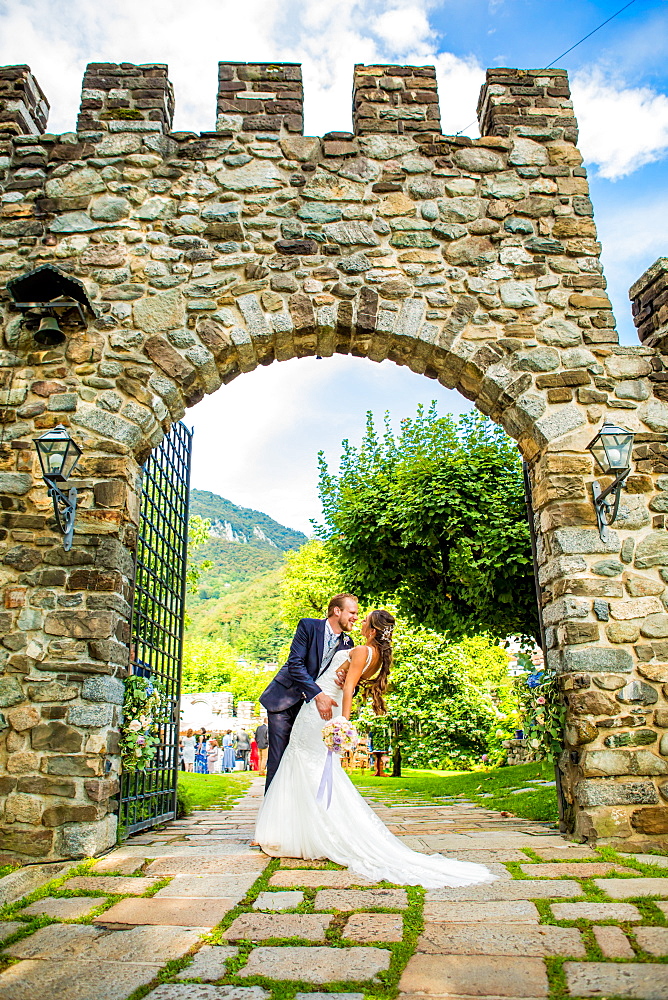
x=340, y=735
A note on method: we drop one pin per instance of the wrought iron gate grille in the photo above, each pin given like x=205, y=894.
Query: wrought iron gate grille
x=148, y=797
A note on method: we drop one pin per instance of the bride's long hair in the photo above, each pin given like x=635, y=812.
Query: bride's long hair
x=383, y=622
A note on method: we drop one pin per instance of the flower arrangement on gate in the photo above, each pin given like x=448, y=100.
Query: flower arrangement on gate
x=542, y=709
x=339, y=736
x=144, y=709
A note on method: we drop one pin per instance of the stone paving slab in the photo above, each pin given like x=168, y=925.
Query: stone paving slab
x=653, y=940
x=110, y=884
x=317, y=965
x=25, y=880
x=117, y=862
x=504, y=891
x=664, y=908
x=638, y=981
x=595, y=911
x=262, y=926
x=66, y=908
x=199, y=991
x=287, y=878
x=209, y=963
x=652, y=859
x=301, y=863
x=143, y=945
x=182, y=850
x=9, y=927
x=487, y=841
x=363, y=927
x=613, y=942
x=479, y=975
x=565, y=853
x=210, y=886
x=36, y=980
x=329, y=996
x=627, y=888
x=360, y=899
x=578, y=869
x=167, y=912
x=278, y=900
x=239, y=864
x=513, y=911
x=488, y=857
x=501, y=939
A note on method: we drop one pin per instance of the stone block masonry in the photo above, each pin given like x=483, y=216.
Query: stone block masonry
x=260, y=97
x=474, y=262
x=24, y=109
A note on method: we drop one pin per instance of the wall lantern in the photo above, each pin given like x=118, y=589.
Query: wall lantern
x=612, y=449
x=58, y=456
x=50, y=298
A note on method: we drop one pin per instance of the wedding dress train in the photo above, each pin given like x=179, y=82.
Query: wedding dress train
x=292, y=823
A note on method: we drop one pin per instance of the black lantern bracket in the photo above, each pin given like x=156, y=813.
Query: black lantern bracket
x=606, y=503
x=58, y=457
x=612, y=448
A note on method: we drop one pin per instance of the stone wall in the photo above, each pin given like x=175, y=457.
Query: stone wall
x=475, y=263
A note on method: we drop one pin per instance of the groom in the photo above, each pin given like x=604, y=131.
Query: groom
x=313, y=647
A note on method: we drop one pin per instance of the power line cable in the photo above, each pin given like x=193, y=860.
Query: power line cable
x=583, y=39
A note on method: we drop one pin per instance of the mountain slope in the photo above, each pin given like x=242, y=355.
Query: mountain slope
x=241, y=524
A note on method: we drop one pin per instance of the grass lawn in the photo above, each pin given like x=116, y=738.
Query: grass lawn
x=493, y=789
x=202, y=791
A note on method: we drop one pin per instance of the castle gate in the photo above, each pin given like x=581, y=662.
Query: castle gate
x=474, y=262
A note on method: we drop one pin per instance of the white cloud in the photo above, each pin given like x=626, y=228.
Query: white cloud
x=621, y=128
x=404, y=27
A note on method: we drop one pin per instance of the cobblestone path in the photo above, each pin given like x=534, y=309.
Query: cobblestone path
x=192, y=912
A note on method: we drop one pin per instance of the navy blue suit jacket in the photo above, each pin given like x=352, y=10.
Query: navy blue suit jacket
x=297, y=678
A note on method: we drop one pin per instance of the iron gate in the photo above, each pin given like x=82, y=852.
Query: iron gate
x=148, y=796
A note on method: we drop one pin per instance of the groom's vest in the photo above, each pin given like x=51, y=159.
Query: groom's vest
x=296, y=680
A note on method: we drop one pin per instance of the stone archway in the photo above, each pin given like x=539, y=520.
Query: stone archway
x=474, y=262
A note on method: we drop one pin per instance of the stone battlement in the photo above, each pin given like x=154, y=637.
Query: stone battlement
x=269, y=97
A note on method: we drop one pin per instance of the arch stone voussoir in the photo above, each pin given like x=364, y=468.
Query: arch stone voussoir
x=473, y=262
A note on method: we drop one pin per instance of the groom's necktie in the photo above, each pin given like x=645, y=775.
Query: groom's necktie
x=329, y=646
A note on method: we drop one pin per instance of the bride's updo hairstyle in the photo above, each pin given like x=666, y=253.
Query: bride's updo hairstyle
x=383, y=623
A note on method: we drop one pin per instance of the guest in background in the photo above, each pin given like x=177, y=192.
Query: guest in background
x=189, y=742
x=262, y=740
x=182, y=765
x=243, y=747
x=213, y=757
x=200, y=752
x=254, y=757
x=228, y=752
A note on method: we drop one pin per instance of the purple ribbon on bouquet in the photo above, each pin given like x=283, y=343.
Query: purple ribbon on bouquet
x=327, y=781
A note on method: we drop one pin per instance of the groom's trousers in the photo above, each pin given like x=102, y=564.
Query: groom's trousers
x=280, y=726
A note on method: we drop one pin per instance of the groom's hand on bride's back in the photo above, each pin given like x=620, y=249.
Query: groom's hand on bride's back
x=324, y=704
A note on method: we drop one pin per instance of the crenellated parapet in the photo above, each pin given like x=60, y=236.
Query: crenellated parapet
x=122, y=97
x=24, y=110
x=512, y=100
x=399, y=100
x=260, y=97
x=474, y=262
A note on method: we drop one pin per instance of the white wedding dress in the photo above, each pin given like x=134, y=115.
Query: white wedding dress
x=292, y=823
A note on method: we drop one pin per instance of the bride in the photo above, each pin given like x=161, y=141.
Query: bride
x=294, y=823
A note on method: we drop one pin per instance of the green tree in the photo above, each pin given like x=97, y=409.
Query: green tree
x=449, y=698
x=310, y=579
x=435, y=518
x=198, y=535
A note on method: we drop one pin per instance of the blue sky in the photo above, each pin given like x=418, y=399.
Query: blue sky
x=257, y=439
